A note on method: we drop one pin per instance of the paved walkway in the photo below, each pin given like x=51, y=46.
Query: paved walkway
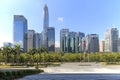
x=82, y=68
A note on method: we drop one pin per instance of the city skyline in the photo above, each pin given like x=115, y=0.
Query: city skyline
x=94, y=16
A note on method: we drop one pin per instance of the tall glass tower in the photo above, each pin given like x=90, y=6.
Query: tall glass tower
x=111, y=40
x=45, y=26
x=20, y=30
x=51, y=39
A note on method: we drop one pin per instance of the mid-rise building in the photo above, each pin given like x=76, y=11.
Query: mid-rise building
x=92, y=43
x=102, y=46
x=111, y=40
x=19, y=31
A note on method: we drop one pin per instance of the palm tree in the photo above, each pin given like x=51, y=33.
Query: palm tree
x=45, y=50
x=32, y=52
x=6, y=53
x=17, y=51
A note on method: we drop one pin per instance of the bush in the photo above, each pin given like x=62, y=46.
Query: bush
x=7, y=75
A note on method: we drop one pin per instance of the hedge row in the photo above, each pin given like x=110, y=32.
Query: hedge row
x=11, y=75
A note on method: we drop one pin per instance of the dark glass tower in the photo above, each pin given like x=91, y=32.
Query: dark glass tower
x=45, y=26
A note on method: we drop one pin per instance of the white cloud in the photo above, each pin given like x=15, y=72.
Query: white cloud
x=61, y=19
x=57, y=44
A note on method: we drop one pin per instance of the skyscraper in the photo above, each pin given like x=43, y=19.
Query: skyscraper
x=111, y=40
x=119, y=45
x=51, y=39
x=36, y=40
x=72, y=42
x=64, y=40
x=20, y=29
x=78, y=41
x=45, y=27
x=30, y=39
x=92, y=43
x=41, y=40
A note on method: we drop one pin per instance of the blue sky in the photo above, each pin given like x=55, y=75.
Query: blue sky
x=88, y=16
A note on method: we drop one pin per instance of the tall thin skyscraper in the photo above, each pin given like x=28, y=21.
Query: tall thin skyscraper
x=19, y=31
x=45, y=27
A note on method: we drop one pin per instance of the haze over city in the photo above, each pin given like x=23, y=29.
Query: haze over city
x=87, y=16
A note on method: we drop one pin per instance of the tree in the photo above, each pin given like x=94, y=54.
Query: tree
x=17, y=51
x=32, y=52
x=6, y=53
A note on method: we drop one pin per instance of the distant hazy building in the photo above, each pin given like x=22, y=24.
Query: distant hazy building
x=7, y=44
x=111, y=40
x=92, y=43
x=30, y=39
x=102, y=46
x=51, y=39
x=19, y=31
x=64, y=40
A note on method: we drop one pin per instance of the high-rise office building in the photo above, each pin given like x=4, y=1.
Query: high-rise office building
x=41, y=40
x=111, y=40
x=45, y=27
x=30, y=39
x=19, y=31
x=36, y=40
x=64, y=40
x=78, y=41
x=92, y=43
x=71, y=42
x=51, y=39
x=119, y=45
x=83, y=44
